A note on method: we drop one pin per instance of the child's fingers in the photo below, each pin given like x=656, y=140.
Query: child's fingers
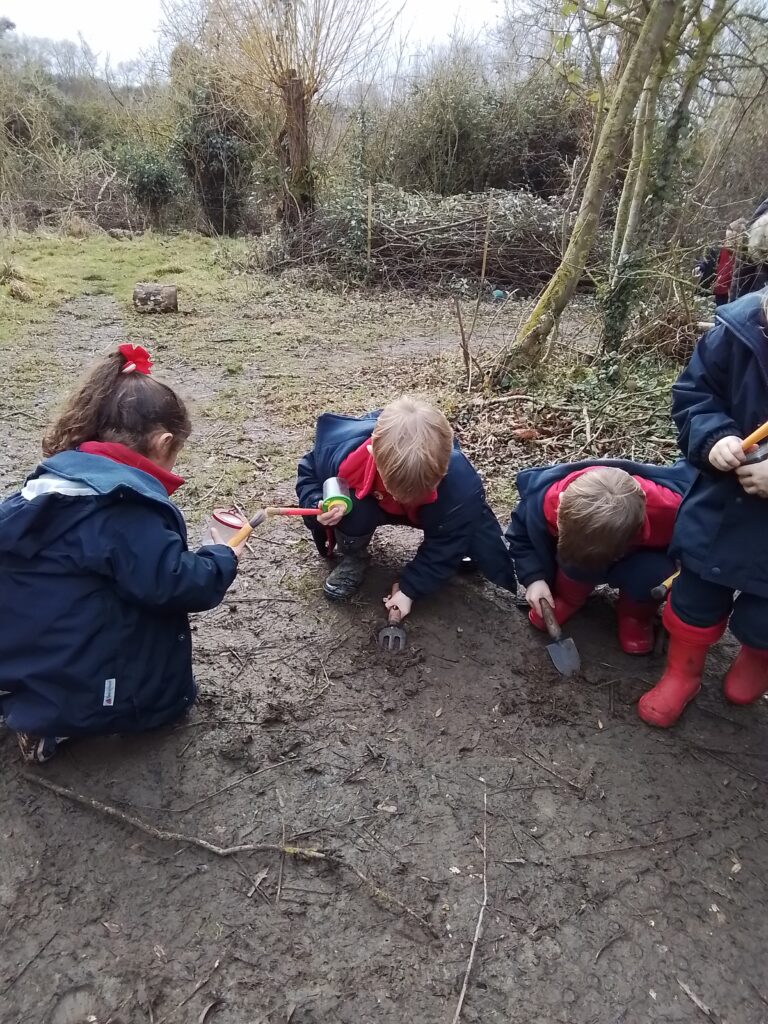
x=332, y=518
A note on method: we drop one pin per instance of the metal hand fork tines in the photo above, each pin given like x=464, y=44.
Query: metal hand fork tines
x=393, y=637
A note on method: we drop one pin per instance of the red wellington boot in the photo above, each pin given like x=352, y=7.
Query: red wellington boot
x=747, y=679
x=636, y=619
x=569, y=595
x=688, y=645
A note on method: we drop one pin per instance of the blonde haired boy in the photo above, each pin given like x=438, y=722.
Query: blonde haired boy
x=405, y=468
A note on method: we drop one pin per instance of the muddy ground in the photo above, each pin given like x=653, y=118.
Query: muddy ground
x=626, y=867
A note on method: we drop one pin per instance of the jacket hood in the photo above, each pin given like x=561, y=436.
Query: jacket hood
x=334, y=429
x=746, y=319
x=62, y=492
x=677, y=477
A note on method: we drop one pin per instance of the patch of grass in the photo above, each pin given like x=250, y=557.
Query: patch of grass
x=10, y=271
x=64, y=266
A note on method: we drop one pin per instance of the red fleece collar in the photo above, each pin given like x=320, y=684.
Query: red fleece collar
x=360, y=472
x=128, y=457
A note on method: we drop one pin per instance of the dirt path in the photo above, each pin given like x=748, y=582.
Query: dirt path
x=625, y=867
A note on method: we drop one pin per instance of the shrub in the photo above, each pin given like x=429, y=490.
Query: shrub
x=153, y=178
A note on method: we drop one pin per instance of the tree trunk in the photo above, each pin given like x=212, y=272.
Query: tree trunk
x=630, y=184
x=708, y=30
x=561, y=288
x=293, y=144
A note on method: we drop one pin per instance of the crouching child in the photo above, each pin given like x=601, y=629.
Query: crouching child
x=405, y=468
x=96, y=579
x=582, y=524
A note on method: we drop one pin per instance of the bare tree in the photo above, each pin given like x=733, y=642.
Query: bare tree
x=558, y=293
x=295, y=51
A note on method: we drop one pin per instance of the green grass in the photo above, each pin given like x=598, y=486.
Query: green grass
x=60, y=268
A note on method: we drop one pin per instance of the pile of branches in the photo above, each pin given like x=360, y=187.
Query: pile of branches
x=577, y=412
x=60, y=186
x=389, y=236
x=670, y=329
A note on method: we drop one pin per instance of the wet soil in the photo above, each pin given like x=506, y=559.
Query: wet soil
x=625, y=867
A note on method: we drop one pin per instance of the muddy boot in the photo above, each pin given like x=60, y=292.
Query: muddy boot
x=348, y=574
x=38, y=749
x=570, y=595
x=688, y=646
x=636, y=619
x=747, y=679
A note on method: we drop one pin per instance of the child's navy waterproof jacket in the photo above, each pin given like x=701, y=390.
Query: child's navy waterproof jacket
x=95, y=585
x=531, y=545
x=721, y=533
x=459, y=524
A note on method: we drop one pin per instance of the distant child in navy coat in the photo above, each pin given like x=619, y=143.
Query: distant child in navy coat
x=721, y=535
x=585, y=523
x=95, y=576
x=405, y=468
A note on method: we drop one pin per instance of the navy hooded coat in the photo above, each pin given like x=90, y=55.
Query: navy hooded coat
x=721, y=533
x=459, y=524
x=532, y=546
x=95, y=584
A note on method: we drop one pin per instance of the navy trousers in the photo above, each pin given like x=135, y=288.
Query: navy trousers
x=701, y=603
x=636, y=575
x=366, y=516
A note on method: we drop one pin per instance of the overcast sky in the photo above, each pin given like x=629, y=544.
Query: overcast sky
x=121, y=29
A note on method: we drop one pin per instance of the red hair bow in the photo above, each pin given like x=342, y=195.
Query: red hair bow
x=137, y=359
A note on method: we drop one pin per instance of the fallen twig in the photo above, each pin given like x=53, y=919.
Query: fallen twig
x=697, y=1002
x=573, y=785
x=233, y=785
x=23, y=970
x=641, y=846
x=608, y=944
x=200, y=985
x=209, y=1009
x=481, y=915
x=298, y=852
x=164, y=834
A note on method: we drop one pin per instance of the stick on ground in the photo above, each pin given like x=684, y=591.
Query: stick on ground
x=299, y=852
x=481, y=915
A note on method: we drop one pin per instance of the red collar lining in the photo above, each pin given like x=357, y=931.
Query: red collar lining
x=128, y=457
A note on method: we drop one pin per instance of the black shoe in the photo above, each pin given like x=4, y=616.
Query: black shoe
x=349, y=573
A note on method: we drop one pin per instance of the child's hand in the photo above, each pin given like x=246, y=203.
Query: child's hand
x=754, y=478
x=727, y=454
x=332, y=517
x=398, y=600
x=238, y=550
x=536, y=592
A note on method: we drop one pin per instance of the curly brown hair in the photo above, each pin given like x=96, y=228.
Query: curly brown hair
x=126, y=408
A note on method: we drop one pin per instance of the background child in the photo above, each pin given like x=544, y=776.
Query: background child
x=720, y=535
x=95, y=576
x=581, y=524
x=405, y=468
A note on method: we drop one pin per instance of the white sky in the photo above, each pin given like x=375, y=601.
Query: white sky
x=121, y=29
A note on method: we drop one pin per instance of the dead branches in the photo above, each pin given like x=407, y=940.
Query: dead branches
x=509, y=239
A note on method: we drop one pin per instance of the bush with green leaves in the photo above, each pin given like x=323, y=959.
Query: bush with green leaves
x=153, y=178
x=214, y=147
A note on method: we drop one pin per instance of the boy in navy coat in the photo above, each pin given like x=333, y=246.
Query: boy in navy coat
x=405, y=468
x=581, y=524
x=720, y=535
